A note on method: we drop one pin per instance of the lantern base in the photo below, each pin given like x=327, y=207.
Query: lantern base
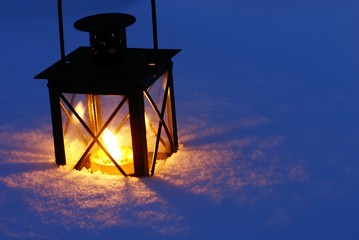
x=111, y=169
x=107, y=167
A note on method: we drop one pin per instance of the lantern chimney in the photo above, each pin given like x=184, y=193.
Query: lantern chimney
x=107, y=33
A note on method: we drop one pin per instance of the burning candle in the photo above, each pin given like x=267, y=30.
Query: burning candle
x=100, y=161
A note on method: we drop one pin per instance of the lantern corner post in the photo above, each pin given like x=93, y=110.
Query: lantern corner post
x=173, y=116
x=138, y=132
x=57, y=130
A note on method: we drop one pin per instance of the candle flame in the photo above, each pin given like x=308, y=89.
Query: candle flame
x=112, y=145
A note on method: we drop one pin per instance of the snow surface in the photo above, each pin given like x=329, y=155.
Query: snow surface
x=267, y=101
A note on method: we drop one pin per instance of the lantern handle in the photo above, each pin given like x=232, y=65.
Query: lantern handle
x=61, y=28
x=154, y=25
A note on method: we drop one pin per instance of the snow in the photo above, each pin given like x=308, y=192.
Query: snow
x=267, y=107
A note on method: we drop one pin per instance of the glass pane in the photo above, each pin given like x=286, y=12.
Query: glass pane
x=158, y=138
x=104, y=131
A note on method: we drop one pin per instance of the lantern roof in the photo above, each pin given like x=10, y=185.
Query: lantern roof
x=104, y=22
x=79, y=73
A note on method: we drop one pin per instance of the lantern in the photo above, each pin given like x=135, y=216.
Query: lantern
x=112, y=107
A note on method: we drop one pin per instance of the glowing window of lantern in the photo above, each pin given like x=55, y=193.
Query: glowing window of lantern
x=155, y=99
x=97, y=113
x=100, y=113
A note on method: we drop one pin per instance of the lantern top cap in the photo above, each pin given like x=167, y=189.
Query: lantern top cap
x=104, y=22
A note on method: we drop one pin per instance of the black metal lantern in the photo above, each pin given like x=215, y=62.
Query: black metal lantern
x=112, y=107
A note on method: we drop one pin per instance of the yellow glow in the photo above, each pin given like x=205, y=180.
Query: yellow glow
x=80, y=109
x=112, y=145
x=147, y=122
x=122, y=155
